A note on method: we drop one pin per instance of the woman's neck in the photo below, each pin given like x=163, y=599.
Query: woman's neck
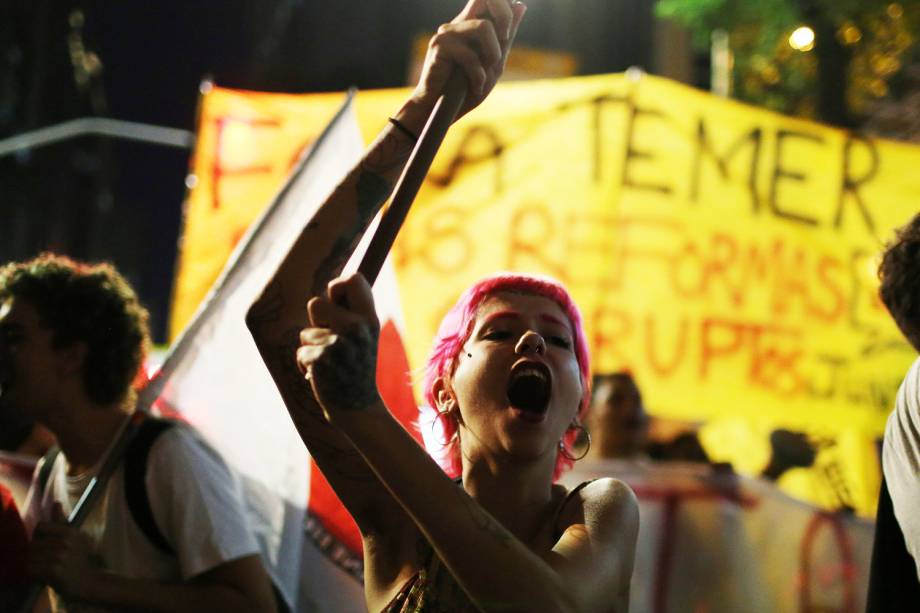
x=517, y=496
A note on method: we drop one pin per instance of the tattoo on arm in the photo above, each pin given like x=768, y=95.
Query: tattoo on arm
x=389, y=153
x=267, y=307
x=324, y=442
x=371, y=190
x=346, y=373
x=483, y=520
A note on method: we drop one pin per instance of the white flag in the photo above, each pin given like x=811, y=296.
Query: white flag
x=215, y=378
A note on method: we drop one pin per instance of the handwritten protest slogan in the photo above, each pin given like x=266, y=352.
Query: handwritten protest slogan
x=724, y=254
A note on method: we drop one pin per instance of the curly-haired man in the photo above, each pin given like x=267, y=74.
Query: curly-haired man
x=73, y=338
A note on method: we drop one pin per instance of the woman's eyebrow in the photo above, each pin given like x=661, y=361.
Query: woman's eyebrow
x=500, y=315
x=511, y=314
x=554, y=320
x=551, y=319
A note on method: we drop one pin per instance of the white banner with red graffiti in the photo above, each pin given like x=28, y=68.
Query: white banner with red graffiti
x=719, y=542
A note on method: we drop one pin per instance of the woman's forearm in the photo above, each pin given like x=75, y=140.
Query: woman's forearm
x=325, y=244
x=276, y=318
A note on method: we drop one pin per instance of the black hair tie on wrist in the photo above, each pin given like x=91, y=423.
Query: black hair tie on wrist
x=402, y=128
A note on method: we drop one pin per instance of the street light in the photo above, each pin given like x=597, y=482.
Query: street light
x=802, y=39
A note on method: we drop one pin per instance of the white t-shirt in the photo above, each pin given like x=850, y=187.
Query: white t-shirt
x=194, y=498
x=901, y=460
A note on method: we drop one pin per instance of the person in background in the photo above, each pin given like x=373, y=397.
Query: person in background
x=899, y=274
x=73, y=337
x=788, y=449
x=619, y=427
x=894, y=583
x=618, y=423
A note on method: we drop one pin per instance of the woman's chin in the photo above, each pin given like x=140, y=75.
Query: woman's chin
x=532, y=449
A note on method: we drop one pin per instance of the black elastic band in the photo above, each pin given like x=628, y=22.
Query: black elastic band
x=402, y=128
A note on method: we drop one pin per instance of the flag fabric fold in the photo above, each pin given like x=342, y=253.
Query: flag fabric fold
x=214, y=377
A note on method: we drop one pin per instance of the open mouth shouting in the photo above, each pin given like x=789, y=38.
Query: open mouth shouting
x=529, y=388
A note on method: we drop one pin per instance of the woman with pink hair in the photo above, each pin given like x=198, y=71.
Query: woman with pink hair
x=508, y=377
x=455, y=330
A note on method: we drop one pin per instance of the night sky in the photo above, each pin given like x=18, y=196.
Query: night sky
x=100, y=199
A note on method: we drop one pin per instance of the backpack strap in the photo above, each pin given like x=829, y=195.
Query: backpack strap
x=135, y=469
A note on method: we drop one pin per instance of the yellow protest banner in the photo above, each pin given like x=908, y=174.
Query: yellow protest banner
x=724, y=254
x=247, y=143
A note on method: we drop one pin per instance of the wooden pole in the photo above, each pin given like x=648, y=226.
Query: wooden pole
x=442, y=116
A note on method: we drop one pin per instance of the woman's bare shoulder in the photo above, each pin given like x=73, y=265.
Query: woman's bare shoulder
x=604, y=502
x=597, y=544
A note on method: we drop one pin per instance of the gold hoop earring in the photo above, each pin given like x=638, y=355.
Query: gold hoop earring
x=565, y=452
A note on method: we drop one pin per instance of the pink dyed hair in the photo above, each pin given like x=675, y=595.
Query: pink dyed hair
x=456, y=328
